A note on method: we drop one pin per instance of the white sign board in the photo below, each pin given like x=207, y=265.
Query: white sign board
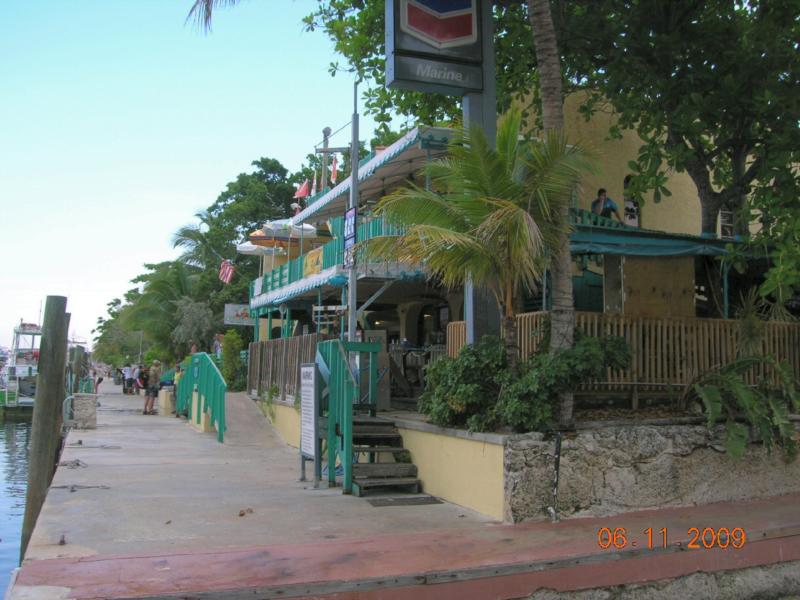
x=238, y=314
x=308, y=409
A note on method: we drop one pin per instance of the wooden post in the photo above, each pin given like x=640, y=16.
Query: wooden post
x=45, y=434
x=77, y=368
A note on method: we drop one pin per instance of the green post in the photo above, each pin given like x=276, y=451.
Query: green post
x=269, y=325
x=347, y=430
x=373, y=383
x=255, y=328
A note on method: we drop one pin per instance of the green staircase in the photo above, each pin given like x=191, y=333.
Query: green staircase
x=369, y=449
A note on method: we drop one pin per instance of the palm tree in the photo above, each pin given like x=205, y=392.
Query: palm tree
x=202, y=11
x=491, y=215
x=562, y=314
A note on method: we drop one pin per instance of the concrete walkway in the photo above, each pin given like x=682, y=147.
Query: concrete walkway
x=152, y=510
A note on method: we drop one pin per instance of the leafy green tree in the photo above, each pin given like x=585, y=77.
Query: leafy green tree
x=491, y=215
x=194, y=323
x=710, y=87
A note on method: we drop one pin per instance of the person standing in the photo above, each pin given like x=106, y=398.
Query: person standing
x=154, y=380
x=605, y=206
x=136, y=373
x=127, y=379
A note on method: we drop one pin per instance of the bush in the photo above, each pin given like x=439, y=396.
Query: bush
x=476, y=390
x=232, y=366
x=765, y=406
x=462, y=391
x=530, y=402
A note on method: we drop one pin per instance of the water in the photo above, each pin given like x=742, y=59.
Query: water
x=14, y=440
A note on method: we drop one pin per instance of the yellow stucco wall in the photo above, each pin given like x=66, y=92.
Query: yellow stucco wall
x=286, y=420
x=679, y=213
x=465, y=472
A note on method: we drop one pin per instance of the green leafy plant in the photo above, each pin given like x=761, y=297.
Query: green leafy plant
x=462, y=391
x=232, y=366
x=479, y=391
x=268, y=401
x=529, y=402
x=764, y=407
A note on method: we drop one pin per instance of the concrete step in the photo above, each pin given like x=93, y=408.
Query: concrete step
x=378, y=438
x=372, y=428
x=384, y=470
x=379, y=449
x=409, y=484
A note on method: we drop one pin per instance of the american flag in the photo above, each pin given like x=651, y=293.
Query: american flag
x=226, y=271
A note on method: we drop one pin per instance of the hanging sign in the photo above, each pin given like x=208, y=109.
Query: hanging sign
x=237, y=314
x=312, y=262
x=434, y=46
x=350, y=218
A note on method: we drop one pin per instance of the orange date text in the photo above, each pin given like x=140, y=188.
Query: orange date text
x=699, y=538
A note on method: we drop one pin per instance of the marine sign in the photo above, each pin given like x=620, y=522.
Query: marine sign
x=434, y=45
x=440, y=23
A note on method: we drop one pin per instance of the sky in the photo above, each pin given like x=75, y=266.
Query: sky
x=119, y=121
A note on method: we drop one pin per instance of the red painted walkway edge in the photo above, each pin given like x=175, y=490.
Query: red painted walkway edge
x=503, y=561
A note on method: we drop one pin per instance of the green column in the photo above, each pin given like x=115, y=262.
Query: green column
x=269, y=325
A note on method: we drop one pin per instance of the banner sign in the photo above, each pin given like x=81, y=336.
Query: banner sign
x=238, y=314
x=434, y=46
x=308, y=410
x=350, y=218
x=312, y=263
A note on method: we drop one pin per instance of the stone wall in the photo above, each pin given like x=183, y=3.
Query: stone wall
x=616, y=469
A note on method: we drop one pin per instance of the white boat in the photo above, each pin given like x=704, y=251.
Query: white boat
x=18, y=375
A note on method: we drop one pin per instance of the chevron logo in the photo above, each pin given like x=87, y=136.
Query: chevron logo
x=440, y=23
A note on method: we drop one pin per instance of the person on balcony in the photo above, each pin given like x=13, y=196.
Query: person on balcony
x=605, y=206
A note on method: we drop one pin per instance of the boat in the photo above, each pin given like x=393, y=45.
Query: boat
x=18, y=374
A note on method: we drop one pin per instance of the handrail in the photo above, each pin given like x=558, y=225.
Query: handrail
x=333, y=360
x=201, y=375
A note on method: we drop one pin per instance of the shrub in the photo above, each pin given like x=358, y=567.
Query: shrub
x=765, y=406
x=477, y=390
x=232, y=366
x=530, y=402
x=462, y=391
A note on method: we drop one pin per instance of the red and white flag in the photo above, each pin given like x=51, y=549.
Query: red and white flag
x=334, y=170
x=302, y=191
x=226, y=271
x=314, y=185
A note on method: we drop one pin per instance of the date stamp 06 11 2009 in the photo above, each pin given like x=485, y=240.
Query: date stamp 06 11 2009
x=706, y=538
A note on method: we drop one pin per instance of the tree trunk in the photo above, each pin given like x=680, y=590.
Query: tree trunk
x=510, y=342
x=709, y=212
x=562, y=316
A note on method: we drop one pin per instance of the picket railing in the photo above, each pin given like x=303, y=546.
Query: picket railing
x=201, y=375
x=332, y=253
x=277, y=363
x=664, y=351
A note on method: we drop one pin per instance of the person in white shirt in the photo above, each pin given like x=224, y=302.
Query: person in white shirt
x=127, y=379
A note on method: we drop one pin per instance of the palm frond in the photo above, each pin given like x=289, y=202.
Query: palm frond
x=202, y=12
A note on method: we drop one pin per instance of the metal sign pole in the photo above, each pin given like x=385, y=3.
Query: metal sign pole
x=351, y=276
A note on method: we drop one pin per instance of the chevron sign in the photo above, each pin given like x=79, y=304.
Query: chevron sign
x=440, y=23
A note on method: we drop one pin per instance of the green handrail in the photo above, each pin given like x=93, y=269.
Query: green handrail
x=343, y=394
x=201, y=375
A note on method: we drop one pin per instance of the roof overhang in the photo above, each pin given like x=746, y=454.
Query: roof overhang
x=381, y=172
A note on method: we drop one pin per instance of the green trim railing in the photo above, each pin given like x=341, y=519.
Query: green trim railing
x=332, y=253
x=201, y=375
x=333, y=361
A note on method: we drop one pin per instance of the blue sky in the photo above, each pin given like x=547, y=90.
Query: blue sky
x=118, y=122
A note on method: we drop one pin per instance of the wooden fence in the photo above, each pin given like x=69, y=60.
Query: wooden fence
x=664, y=351
x=277, y=363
